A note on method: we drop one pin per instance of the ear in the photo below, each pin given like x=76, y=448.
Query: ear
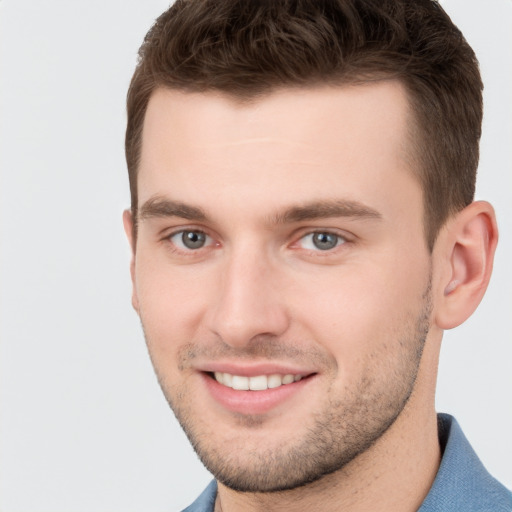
x=468, y=243
x=128, y=229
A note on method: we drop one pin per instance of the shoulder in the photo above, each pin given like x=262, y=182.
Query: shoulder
x=462, y=482
x=206, y=500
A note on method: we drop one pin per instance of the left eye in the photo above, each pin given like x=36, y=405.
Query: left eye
x=190, y=240
x=321, y=241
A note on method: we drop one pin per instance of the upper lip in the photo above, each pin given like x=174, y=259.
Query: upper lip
x=255, y=369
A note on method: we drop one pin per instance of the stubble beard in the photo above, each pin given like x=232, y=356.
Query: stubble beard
x=340, y=432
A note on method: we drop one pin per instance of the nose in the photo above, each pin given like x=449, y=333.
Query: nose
x=250, y=302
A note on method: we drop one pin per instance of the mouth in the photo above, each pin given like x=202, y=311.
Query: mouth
x=257, y=382
x=258, y=393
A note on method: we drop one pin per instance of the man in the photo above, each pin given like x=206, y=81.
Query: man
x=303, y=230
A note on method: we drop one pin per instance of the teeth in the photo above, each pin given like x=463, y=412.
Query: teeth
x=274, y=381
x=258, y=383
x=241, y=383
x=227, y=379
x=288, y=379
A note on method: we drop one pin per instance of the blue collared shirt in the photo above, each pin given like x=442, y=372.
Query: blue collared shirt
x=462, y=484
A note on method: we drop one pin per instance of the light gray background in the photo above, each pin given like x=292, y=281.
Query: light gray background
x=83, y=424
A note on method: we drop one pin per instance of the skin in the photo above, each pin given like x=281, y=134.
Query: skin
x=363, y=320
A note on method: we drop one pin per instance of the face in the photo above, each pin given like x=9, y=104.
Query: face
x=281, y=275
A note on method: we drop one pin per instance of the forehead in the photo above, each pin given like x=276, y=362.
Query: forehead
x=217, y=117
x=291, y=145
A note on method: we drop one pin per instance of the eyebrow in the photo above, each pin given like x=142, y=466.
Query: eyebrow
x=326, y=209
x=162, y=207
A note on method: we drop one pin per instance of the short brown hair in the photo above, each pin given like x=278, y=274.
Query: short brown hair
x=248, y=48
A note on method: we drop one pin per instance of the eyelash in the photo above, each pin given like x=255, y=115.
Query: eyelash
x=187, y=250
x=341, y=240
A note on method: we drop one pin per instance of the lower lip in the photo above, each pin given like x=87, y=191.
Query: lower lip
x=253, y=402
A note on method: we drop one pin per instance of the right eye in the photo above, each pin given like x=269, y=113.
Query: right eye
x=190, y=240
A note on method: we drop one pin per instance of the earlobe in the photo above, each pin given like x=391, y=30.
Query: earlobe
x=469, y=246
x=128, y=229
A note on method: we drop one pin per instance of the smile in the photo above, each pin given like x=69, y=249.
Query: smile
x=256, y=383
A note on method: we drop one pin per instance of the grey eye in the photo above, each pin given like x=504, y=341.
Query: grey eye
x=190, y=240
x=325, y=241
x=193, y=239
x=321, y=241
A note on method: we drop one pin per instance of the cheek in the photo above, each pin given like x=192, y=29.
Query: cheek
x=172, y=302
x=362, y=313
